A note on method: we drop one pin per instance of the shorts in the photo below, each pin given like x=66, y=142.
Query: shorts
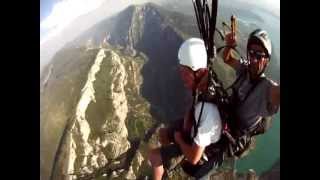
x=171, y=154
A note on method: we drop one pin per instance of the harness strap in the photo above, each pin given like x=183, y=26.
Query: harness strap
x=251, y=89
x=236, y=81
x=197, y=125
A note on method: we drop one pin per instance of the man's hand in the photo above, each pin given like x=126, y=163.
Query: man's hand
x=275, y=97
x=230, y=39
x=228, y=58
x=192, y=152
x=164, y=136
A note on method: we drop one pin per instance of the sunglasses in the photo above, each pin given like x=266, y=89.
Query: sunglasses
x=257, y=54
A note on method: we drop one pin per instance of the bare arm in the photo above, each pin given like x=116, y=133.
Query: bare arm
x=228, y=59
x=192, y=152
x=275, y=96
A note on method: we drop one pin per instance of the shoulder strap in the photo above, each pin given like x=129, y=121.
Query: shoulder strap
x=252, y=88
x=250, y=91
x=197, y=123
x=237, y=80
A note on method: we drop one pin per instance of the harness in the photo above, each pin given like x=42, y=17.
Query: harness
x=233, y=143
x=233, y=140
x=239, y=140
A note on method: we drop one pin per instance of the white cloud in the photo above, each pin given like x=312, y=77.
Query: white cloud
x=272, y=6
x=64, y=12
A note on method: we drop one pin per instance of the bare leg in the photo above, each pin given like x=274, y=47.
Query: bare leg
x=163, y=136
x=156, y=162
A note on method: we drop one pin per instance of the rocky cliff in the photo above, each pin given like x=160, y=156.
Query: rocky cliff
x=108, y=122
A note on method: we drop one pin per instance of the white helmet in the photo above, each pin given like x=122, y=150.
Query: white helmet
x=192, y=53
x=262, y=37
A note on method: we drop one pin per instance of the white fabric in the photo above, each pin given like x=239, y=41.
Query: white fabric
x=210, y=127
x=192, y=53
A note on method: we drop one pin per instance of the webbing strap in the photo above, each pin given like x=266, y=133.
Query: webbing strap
x=197, y=125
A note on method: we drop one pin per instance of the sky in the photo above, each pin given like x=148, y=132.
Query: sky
x=62, y=13
x=272, y=6
x=55, y=14
x=45, y=8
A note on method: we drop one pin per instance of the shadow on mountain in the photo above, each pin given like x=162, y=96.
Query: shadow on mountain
x=162, y=85
x=157, y=33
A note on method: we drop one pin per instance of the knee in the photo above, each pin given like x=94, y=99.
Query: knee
x=154, y=157
x=164, y=136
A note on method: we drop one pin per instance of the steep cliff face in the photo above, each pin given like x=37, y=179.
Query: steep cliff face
x=103, y=121
x=110, y=115
x=59, y=95
x=157, y=33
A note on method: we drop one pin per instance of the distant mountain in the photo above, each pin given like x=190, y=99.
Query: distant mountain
x=155, y=32
x=139, y=20
x=50, y=47
x=82, y=23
